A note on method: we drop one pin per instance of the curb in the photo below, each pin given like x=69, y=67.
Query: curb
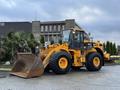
x=110, y=64
x=5, y=69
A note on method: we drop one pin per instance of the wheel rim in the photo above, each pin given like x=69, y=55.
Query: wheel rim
x=63, y=63
x=96, y=61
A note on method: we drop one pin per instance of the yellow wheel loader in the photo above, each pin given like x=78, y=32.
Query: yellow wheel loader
x=76, y=50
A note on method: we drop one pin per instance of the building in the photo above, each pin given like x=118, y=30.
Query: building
x=50, y=30
x=6, y=27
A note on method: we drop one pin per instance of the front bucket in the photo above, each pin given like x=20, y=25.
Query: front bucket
x=27, y=65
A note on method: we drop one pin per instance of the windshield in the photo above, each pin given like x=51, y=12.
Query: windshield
x=65, y=37
x=86, y=37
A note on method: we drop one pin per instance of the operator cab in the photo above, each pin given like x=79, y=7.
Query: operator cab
x=76, y=39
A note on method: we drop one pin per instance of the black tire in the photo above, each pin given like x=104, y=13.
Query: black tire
x=47, y=69
x=89, y=62
x=54, y=66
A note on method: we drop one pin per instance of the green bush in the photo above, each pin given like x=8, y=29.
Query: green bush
x=17, y=42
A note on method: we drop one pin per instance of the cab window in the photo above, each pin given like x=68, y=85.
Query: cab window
x=76, y=36
x=86, y=37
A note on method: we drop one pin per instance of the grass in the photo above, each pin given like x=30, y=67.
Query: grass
x=117, y=61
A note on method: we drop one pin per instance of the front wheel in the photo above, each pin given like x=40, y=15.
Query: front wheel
x=94, y=62
x=60, y=62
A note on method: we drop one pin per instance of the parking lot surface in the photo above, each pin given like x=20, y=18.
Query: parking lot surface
x=108, y=78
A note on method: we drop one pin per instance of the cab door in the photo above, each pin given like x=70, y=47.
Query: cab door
x=77, y=40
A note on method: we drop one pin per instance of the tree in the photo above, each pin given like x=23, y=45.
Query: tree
x=110, y=48
x=60, y=41
x=104, y=46
x=114, y=49
x=17, y=41
x=42, y=41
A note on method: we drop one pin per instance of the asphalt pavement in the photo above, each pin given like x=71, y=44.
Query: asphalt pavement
x=108, y=78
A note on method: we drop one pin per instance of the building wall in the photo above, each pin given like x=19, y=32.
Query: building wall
x=51, y=31
x=6, y=27
x=36, y=29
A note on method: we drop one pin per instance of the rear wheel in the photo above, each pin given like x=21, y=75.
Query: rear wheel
x=60, y=62
x=94, y=62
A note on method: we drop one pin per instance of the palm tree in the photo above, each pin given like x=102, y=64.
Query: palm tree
x=17, y=41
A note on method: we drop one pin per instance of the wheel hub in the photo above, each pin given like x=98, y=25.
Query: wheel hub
x=63, y=63
x=96, y=62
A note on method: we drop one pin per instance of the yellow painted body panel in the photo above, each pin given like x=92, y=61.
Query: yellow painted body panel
x=78, y=58
x=100, y=46
x=47, y=53
x=106, y=56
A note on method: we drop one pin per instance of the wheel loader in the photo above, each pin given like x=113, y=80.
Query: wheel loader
x=76, y=51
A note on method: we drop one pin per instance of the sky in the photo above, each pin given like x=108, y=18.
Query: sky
x=101, y=18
